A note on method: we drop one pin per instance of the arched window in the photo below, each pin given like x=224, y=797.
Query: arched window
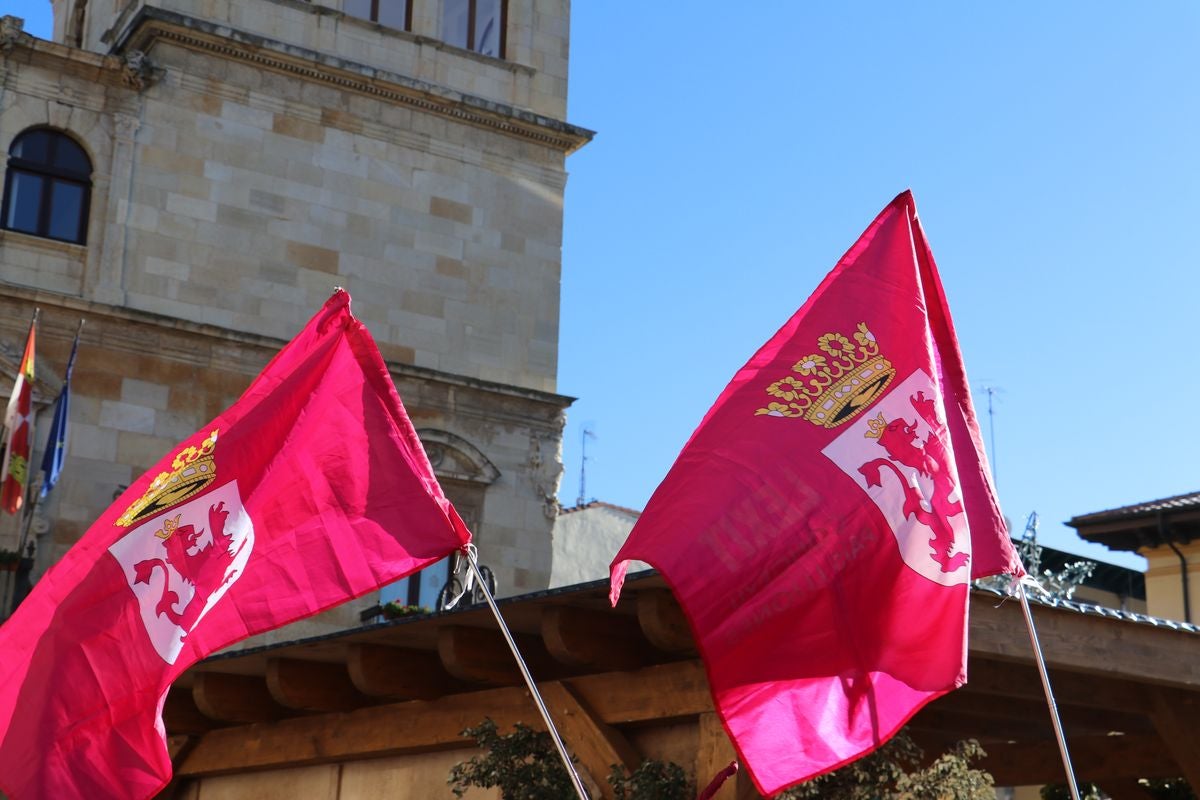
x=48, y=186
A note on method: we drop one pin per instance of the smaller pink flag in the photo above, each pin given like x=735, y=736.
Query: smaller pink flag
x=823, y=524
x=312, y=489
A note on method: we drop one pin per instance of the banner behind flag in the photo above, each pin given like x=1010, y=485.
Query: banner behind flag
x=822, y=525
x=310, y=490
x=56, y=441
x=18, y=430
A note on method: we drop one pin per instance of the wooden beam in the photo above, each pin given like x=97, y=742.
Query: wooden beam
x=662, y=692
x=425, y=725
x=598, y=746
x=1035, y=715
x=181, y=716
x=1007, y=679
x=663, y=621
x=1096, y=759
x=235, y=698
x=312, y=685
x=1086, y=643
x=482, y=656
x=1175, y=715
x=398, y=673
x=714, y=752
x=600, y=640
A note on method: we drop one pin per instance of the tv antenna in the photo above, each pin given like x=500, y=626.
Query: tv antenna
x=584, y=436
x=992, y=391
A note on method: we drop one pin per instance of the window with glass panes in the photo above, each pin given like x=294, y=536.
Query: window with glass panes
x=47, y=186
x=475, y=25
x=392, y=13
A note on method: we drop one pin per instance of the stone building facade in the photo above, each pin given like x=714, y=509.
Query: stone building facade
x=246, y=157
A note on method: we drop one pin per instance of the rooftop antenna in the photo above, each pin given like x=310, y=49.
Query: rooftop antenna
x=991, y=392
x=584, y=436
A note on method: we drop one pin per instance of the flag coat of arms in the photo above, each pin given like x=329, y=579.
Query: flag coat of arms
x=312, y=489
x=822, y=525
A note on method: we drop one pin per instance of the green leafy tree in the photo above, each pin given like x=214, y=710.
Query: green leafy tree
x=1173, y=789
x=894, y=771
x=652, y=780
x=1060, y=791
x=523, y=764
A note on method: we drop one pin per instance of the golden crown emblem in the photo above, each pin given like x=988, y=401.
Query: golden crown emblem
x=193, y=469
x=835, y=385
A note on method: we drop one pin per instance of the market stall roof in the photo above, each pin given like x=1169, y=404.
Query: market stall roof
x=1127, y=685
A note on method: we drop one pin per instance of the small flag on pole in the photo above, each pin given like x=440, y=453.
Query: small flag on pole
x=823, y=524
x=56, y=442
x=310, y=490
x=18, y=426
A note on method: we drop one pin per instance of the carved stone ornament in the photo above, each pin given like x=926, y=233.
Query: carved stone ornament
x=10, y=30
x=137, y=71
x=125, y=126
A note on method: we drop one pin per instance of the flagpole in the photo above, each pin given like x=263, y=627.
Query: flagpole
x=1041, y=663
x=472, y=559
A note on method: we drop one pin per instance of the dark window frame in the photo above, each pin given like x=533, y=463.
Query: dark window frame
x=374, y=14
x=472, y=13
x=51, y=175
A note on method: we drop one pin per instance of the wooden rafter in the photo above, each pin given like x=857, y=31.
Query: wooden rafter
x=235, y=698
x=598, y=745
x=312, y=685
x=600, y=640
x=398, y=673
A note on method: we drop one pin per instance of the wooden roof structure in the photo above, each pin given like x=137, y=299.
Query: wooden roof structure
x=1127, y=686
x=1150, y=524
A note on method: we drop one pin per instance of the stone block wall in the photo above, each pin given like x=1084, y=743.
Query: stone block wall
x=230, y=193
x=532, y=76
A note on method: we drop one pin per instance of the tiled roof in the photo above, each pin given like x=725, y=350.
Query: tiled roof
x=1090, y=609
x=633, y=512
x=1167, y=504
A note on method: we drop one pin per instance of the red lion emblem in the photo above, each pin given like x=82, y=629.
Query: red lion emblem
x=899, y=437
x=207, y=569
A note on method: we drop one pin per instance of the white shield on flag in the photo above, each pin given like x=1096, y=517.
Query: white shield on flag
x=897, y=454
x=182, y=561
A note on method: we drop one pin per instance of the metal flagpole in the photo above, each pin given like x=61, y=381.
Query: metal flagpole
x=472, y=559
x=1041, y=663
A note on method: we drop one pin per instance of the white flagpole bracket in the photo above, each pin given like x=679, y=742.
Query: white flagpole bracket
x=1041, y=664
x=472, y=561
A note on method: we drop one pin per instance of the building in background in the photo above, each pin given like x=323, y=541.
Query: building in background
x=195, y=177
x=585, y=540
x=1167, y=533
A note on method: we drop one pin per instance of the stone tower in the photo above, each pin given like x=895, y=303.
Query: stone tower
x=194, y=177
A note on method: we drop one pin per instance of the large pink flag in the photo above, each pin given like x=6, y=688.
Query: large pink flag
x=310, y=490
x=821, y=527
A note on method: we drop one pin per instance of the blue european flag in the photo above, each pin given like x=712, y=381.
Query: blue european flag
x=56, y=443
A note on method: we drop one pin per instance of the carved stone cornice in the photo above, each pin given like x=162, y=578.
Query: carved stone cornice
x=11, y=29
x=151, y=25
x=137, y=71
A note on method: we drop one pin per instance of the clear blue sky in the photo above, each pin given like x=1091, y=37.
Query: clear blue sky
x=1052, y=150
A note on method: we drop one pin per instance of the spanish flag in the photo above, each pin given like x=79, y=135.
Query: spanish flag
x=18, y=427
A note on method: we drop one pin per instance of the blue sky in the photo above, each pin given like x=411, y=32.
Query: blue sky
x=741, y=149
x=1051, y=149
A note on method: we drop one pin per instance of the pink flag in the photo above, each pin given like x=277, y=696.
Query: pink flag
x=821, y=527
x=310, y=490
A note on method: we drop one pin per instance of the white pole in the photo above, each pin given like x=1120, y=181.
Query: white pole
x=472, y=558
x=1041, y=663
